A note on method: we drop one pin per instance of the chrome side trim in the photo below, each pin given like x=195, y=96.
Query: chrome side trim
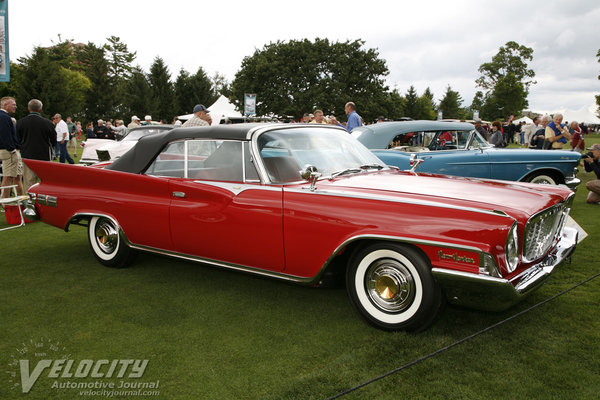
x=407, y=240
x=223, y=264
x=237, y=188
x=77, y=217
x=288, y=277
x=52, y=201
x=402, y=201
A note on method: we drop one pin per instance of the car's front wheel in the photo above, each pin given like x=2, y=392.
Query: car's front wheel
x=107, y=244
x=392, y=287
x=542, y=179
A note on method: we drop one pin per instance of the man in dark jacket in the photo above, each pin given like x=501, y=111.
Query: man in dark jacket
x=9, y=148
x=37, y=137
x=591, y=163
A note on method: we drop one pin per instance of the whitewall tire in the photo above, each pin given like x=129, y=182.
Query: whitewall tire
x=392, y=287
x=107, y=243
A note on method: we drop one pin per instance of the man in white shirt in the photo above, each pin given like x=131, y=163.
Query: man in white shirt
x=62, y=138
x=530, y=129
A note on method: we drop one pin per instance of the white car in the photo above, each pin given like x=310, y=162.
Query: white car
x=95, y=150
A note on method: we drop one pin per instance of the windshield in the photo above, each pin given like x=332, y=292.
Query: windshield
x=285, y=152
x=479, y=142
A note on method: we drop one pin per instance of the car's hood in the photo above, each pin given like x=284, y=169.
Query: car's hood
x=118, y=148
x=515, y=199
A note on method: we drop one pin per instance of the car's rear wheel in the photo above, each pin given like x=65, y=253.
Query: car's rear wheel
x=542, y=179
x=107, y=244
x=392, y=287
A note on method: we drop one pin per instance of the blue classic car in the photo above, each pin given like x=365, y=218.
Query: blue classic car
x=456, y=148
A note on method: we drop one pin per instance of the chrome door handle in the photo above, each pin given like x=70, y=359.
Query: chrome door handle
x=179, y=194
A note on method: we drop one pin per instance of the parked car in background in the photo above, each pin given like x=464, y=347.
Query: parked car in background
x=307, y=203
x=455, y=148
x=95, y=150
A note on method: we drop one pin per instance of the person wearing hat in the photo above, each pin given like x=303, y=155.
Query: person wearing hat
x=147, y=120
x=484, y=134
x=200, y=117
x=591, y=162
x=135, y=122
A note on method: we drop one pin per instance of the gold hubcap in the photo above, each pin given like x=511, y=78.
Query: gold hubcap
x=390, y=285
x=386, y=287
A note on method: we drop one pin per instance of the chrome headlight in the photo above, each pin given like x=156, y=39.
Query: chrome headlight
x=512, y=248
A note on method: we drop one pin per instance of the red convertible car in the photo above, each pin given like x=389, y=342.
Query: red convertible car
x=308, y=203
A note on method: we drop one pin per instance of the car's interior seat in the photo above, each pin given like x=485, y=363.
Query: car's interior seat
x=282, y=169
x=225, y=164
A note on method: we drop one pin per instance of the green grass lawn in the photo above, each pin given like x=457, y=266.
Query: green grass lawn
x=214, y=334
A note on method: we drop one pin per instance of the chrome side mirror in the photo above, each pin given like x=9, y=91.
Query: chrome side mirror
x=414, y=162
x=310, y=173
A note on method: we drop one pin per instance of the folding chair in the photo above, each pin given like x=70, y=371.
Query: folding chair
x=16, y=201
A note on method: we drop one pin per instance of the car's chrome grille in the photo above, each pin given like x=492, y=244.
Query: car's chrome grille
x=542, y=231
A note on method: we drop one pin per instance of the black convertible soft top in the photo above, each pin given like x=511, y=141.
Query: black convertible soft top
x=148, y=147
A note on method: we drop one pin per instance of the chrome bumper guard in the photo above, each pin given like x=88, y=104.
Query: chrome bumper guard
x=30, y=213
x=497, y=294
x=572, y=183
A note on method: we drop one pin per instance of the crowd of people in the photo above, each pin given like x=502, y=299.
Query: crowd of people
x=543, y=132
x=36, y=137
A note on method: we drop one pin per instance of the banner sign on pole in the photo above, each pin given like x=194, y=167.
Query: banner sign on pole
x=249, y=104
x=4, y=59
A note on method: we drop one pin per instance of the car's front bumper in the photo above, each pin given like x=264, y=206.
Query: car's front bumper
x=572, y=183
x=497, y=294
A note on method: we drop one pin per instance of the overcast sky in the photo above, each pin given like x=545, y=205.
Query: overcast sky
x=425, y=43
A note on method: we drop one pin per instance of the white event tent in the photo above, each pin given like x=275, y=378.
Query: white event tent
x=527, y=120
x=220, y=110
x=586, y=114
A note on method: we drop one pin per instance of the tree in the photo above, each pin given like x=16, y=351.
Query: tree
x=163, y=96
x=426, y=109
x=411, y=105
x=291, y=78
x=137, y=99
x=418, y=107
x=429, y=94
x=221, y=85
x=119, y=58
x=100, y=99
x=191, y=90
x=476, y=104
x=395, y=105
x=507, y=80
x=450, y=105
x=45, y=75
x=120, y=66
